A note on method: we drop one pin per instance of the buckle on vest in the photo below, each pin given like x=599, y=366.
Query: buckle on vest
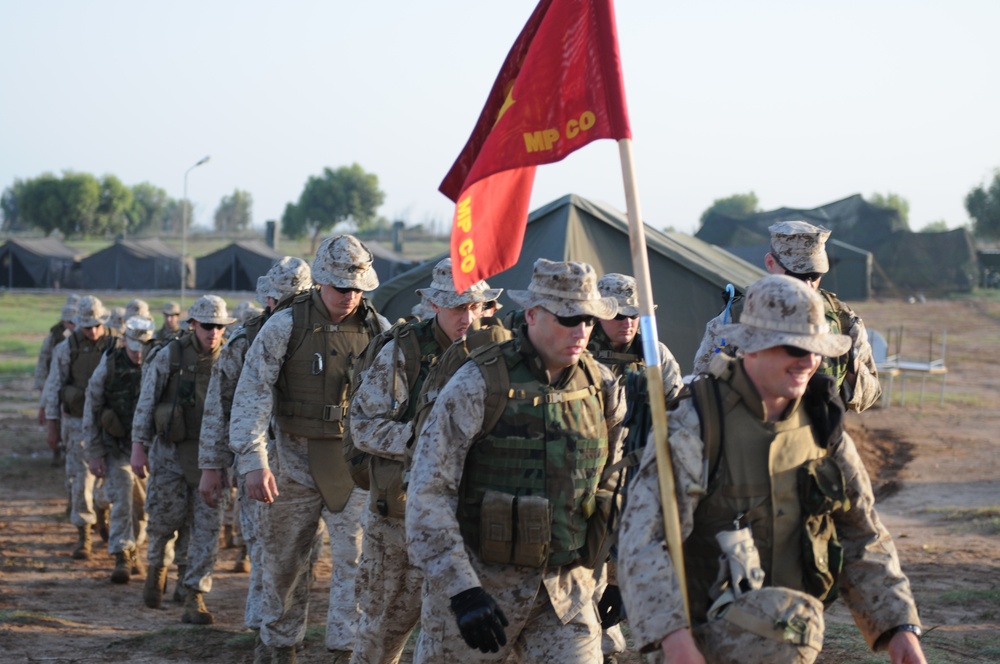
x=552, y=397
x=333, y=413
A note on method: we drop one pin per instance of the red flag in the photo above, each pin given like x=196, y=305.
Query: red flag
x=560, y=88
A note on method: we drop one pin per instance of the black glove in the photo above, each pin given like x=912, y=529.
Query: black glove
x=609, y=609
x=480, y=620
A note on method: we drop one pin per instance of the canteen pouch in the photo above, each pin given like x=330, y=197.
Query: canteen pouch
x=534, y=531
x=112, y=425
x=605, y=509
x=169, y=422
x=73, y=398
x=821, y=492
x=496, y=527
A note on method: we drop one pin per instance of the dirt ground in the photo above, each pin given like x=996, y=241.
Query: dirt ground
x=935, y=466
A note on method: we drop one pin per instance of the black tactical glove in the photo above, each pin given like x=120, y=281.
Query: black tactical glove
x=480, y=620
x=609, y=609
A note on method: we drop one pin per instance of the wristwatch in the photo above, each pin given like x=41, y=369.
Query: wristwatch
x=883, y=641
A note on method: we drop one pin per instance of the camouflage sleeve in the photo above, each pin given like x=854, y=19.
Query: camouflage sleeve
x=672, y=378
x=253, y=399
x=709, y=344
x=866, y=389
x=155, y=374
x=646, y=573
x=872, y=583
x=213, y=442
x=42, y=365
x=382, y=395
x=615, y=409
x=433, y=539
x=58, y=373
x=93, y=441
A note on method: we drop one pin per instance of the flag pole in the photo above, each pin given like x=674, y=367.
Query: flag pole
x=654, y=372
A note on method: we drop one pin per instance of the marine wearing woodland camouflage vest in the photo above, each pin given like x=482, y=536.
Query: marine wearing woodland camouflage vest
x=300, y=365
x=781, y=492
x=382, y=426
x=521, y=578
x=174, y=385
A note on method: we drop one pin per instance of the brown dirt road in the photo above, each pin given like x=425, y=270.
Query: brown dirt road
x=932, y=462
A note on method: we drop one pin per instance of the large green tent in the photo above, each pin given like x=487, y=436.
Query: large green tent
x=688, y=276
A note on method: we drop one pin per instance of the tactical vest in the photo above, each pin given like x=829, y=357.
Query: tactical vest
x=84, y=356
x=312, y=388
x=753, y=482
x=185, y=390
x=121, y=393
x=839, y=324
x=549, y=442
x=620, y=362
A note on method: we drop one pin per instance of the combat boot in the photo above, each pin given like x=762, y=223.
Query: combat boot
x=135, y=565
x=82, y=550
x=102, y=524
x=179, y=590
x=156, y=583
x=242, y=564
x=194, y=609
x=283, y=655
x=123, y=568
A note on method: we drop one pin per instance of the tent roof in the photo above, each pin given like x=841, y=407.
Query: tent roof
x=140, y=248
x=235, y=266
x=48, y=247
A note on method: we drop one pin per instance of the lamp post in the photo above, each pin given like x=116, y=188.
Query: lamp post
x=184, y=224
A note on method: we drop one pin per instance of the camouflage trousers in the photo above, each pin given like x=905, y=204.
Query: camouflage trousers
x=540, y=639
x=231, y=512
x=249, y=512
x=126, y=527
x=173, y=504
x=78, y=475
x=288, y=531
x=389, y=591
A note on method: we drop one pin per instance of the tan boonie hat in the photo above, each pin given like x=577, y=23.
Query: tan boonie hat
x=565, y=288
x=210, y=309
x=246, y=310
x=137, y=307
x=72, y=299
x=172, y=309
x=117, y=319
x=780, y=310
x=800, y=247
x=287, y=276
x=621, y=287
x=138, y=332
x=90, y=312
x=68, y=312
x=344, y=262
x=442, y=289
x=422, y=310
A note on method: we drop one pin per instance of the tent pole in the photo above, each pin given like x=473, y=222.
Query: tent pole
x=654, y=376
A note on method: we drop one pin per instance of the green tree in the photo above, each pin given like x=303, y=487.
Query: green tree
x=112, y=209
x=347, y=194
x=894, y=202
x=737, y=206
x=939, y=226
x=10, y=208
x=149, y=210
x=68, y=204
x=983, y=205
x=235, y=213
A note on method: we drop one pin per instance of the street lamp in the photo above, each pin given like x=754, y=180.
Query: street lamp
x=184, y=232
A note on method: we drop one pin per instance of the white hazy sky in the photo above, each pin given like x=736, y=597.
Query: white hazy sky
x=803, y=103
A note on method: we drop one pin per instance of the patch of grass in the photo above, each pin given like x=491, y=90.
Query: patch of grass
x=29, y=618
x=964, y=596
x=184, y=643
x=984, y=520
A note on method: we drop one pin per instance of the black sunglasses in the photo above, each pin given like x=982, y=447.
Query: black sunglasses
x=573, y=321
x=212, y=326
x=795, y=351
x=621, y=317
x=805, y=276
x=345, y=291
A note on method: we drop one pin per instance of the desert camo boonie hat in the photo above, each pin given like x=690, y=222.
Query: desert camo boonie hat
x=442, y=289
x=137, y=307
x=138, y=332
x=780, y=310
x=172, y=309
x=211, y=310
x=117, y=319
x=90, y=312
x=246, y=310
x=287, y=276
x=621, y=287
x=422, y=310
x=566, y=288
x=800, y=247
x=68, y=312
x=344, y=262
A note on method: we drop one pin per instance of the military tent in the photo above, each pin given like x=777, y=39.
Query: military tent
x=688, y=276
x=235, y=267
x=388, y=263
x=147, y=264
x=37, y=263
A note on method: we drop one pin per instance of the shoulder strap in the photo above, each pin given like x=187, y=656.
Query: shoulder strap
x=493, y=365
x=708, y=404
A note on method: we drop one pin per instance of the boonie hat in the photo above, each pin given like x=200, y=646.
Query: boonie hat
x=90, y=312
x=172, y=309
x=422, y=310
x=800, y=247
x=566, y=288
x=68, y=312
x=289, y=275
x=780, y=310
x=621, y=287
x=138, y=332
x=211, y=310
x=117, y=318
x=246, y=310
x=442, y=289
x=137, y=307
x=343, y=261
